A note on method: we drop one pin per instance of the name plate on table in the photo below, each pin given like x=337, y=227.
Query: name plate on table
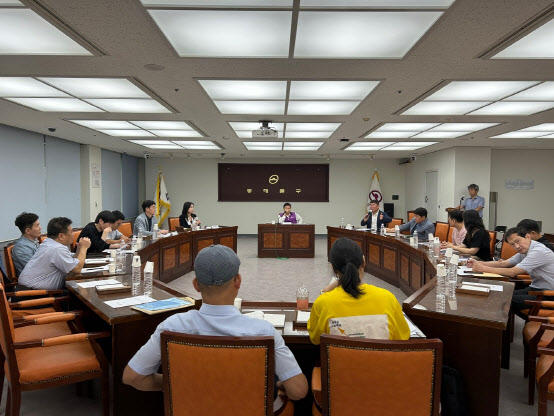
x=470, y=289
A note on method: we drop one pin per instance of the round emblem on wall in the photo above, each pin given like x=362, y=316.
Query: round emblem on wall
x=273, y=179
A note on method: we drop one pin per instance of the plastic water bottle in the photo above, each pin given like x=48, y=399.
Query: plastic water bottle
x=397, y=231
x=342, y=223
x=382, y=229
x=155, y=232
x=134, y=246
x=441, y=288
x=148, y=272
x=416, y=240
x=437, y=247
x=431, y=245
x=119, y=261
x=453, y=276
x=136, y=276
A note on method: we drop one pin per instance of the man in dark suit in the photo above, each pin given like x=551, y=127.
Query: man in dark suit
x=375, y=218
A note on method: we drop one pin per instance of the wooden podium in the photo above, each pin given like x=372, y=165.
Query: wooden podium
x=294, y=240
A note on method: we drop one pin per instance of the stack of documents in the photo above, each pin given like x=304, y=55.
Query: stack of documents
x=277, y=320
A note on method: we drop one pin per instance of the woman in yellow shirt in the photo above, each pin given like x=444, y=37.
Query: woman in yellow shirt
x=349, y=296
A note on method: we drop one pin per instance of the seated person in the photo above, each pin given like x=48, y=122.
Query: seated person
x=532, y=228
x=375, y=217
x=97, y=232
x=477, y=241
x=53, y=261
x=218, y=280
x=145, y=222
x=532, y=258
x=419, y=224
x=289, y=216
x=115, y=237
x=349, y=296
x=188, y=217
x=25, y=246
x=456, y=221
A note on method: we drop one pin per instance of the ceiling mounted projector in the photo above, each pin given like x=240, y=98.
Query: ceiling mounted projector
x=264, y=132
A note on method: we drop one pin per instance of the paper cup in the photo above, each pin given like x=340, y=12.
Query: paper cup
x=113, y=253
x=111, y=267
x=238, y=303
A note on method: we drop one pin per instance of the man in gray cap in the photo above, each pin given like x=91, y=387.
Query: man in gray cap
x=218, y=280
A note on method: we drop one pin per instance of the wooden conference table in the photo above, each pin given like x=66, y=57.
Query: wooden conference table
x=291, y=240
x=473, y=330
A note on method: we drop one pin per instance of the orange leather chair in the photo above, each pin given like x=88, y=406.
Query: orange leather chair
x=173, y=223
x=42, y=237
x=441, y=230
x=246, y=366
x=450, y=233
x=395, y=221
x=492, y=236
x=76, y=234
x=377, y=370
x=10, y=266
x=410, y=215
x=545, y=374
x=126, y=229
x=57, y=359
x=535, y=336
x=506, y=251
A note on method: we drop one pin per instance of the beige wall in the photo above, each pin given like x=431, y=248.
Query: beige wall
x=196, y=180
x=514, y=205
x=91, y=198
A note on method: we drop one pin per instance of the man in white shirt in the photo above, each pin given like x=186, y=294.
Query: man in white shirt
x=375, y=218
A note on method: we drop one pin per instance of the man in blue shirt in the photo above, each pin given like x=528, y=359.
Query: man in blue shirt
x=474, y=201
x=25, y=246
x=419, y=224
x=218, y=280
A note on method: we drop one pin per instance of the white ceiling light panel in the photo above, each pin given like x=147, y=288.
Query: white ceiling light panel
x=251, y=107
x=440, y=134
x=302, y=145
x=536, y=45
x=105, y=124
x=548, y=136
x=541, y=92
x=223, y=33
x=263, y=145
x=23, y=32
x=163, y=146
x=176, y=133
x=360, y=35
x=425, y=108
x=331, y=90
x=409, y=145
x=470, y=127
x=479, y=90
x=519, y=135
x=380, y=4
x=27, y=87
x=162, y=125
x=331, y=127
x=124, y=105
x=151, y=142
x=127, y=133
x=406, y=126
x=513, y=108
x=218, y=3
x=97, y=87
x=540, y=127
x=308, y=134
x=56, y=104
x=244, y=90
x=321, y=107
x=391, y=134
x=197, y=145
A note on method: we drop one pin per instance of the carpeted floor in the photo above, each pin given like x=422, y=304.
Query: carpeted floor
x=277, y=280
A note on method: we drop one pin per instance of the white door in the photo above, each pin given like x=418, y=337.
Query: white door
x=431, y=192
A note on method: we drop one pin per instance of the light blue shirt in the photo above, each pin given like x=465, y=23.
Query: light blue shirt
x=538, y=262
x=23, y=250
x=423, y=229
x=48, y=267
x=474, y=203
x=218, y=320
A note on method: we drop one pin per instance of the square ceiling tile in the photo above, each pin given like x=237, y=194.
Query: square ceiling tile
x=97, y=87
x=244, y=90
x=331, y=90
x=223, y=33
x=360, y=35
x=321, y=107
x=175, y=133
x=478, y=90
x=127, y=133
x=443, y=108
x=536, y=45
x=440, y=134
x=23, y=32
x=513, y=108
x=391, y=134
x=251, y=107
x=406, y=126
x=105, y=124
x=56, y=104
x=162, y=125
x=308, y=134
x=463, y=126
x=122, y=105
x=313, y=126
x=27, y=87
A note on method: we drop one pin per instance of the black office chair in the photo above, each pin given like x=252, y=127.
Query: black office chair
x=498, y=246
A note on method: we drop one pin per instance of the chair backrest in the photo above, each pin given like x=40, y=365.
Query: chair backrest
x=173, y=223
x=126, y=229
x=7, y=336
x=393, y=377
x=241, y=369
x=441, y=230
x=10, y=266
x=506, y=251
x=41, y=238
x=492, y=235
x=450, y=233
x=395, y=221
x=410, y=215
x=76, y=234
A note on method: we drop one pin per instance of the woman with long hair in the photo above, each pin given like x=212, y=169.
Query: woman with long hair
x=477, y=241
x=188, y=217
x=349, y=296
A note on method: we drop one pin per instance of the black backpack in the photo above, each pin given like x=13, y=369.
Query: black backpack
x=453, y=396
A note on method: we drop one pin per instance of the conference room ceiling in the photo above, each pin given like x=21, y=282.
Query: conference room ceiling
x=338, y=79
